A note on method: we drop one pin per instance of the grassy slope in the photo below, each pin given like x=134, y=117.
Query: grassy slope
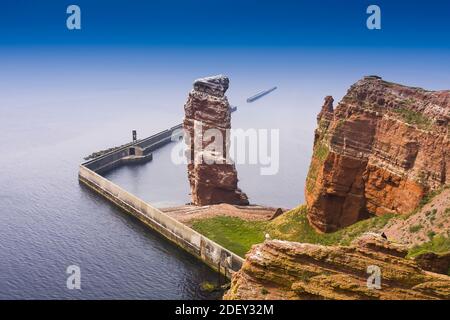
x=414, y=118
x=232, y=233
x=438, y=244
x=239, y=235
x=294, y=226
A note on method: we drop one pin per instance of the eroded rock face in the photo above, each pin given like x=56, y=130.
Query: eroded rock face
x=212, y=177
x=439, y=263
x=290, y=270
x=380, y=151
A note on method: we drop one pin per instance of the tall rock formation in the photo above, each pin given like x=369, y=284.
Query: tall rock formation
x=213, y=178
x=290, y=270
x=380, y=151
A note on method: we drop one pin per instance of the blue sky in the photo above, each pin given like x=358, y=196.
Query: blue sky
x=128, y=44
x=231, y=23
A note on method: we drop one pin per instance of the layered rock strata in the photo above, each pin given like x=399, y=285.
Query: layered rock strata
x=212, y=175
x=290, y=270
x=434, y=262
x=380, y=151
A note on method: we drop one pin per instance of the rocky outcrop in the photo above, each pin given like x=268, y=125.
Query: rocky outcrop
x=212, y=176
x=380, y=151
x=290, y=270
x=434, y=262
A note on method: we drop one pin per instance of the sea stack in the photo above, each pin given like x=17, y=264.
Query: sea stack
x=381, y=150
x=212, y=176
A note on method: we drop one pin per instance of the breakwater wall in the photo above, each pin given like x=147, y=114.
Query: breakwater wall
x=132, y=153
x=136, y=152
x=211, y=253
x=214, y=255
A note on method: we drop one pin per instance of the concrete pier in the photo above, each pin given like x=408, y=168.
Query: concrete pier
x=134, y=153
x=211, y=253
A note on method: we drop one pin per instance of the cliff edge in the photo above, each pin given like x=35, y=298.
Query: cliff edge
x=381, y=150
x=290, y=270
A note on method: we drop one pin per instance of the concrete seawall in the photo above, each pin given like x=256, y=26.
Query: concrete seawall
x=211, y=253
x=134, y=153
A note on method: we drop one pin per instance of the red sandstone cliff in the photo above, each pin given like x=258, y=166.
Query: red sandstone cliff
x=208, y=107
x=380, y=151
x=290, y=270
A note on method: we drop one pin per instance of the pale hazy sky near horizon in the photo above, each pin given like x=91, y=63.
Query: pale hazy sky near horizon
x=81, y=80
x=91, y=98
x=133, y=63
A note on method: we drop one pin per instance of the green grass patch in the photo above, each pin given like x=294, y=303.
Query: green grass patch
x=438, y=244
x=414, y=118
x=415, y=228
x=239, y=235
x=294, y=226
x=208, y=286
x=323, y=125
x=321, y=152
x=232, y=233
x=431, y=234
x=312, y=176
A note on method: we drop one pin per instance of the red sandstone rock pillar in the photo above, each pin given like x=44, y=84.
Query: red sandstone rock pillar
x=212, y=177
